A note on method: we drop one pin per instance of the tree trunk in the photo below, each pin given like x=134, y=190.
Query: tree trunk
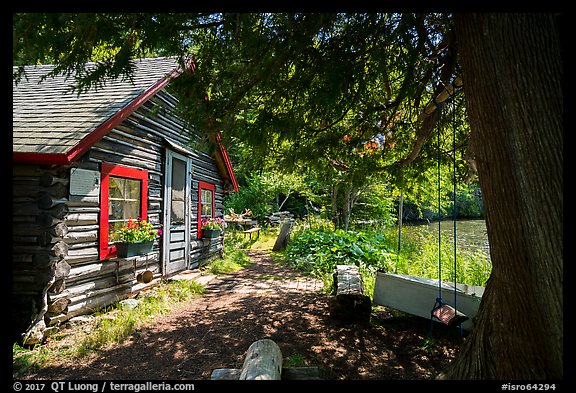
x=335, y=215
x=512, y=66
x=344, y=198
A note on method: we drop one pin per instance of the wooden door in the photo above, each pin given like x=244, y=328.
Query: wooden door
x=176, y=237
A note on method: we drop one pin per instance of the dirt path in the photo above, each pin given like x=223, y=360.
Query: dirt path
x=266, y=300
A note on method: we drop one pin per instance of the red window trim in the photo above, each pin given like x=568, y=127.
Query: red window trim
x=204, y=186
x=108, y=170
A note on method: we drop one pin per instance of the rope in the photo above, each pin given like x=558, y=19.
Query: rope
x=454, y=200
x=439, y=302
x=439, y=218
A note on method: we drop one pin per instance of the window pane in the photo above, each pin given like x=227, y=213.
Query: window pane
x=206, y=203
x=124, y=201
x=178, y=204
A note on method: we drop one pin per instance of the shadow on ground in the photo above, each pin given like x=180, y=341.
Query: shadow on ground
x=216, y=330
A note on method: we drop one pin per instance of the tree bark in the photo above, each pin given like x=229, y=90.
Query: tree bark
x=512, y=71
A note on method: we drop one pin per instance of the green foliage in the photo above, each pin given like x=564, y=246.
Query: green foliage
x=376, y=206
x=318, y=252
x=469, y=203
x=25, y=360
x=255, y=194
x=234, y=259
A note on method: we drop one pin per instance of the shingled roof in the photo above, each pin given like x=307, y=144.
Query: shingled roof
x=52, y=123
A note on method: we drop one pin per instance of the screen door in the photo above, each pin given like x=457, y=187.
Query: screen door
x=178, y=175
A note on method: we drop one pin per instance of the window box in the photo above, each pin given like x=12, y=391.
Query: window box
x=211, y=233
x=126, y=250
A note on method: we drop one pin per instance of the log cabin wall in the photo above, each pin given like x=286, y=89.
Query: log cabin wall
x=57, y=270
x=39, y=251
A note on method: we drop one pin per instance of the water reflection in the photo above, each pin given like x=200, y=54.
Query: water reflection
x=469, y=233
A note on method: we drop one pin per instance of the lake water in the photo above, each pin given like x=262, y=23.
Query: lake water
x=469, y=233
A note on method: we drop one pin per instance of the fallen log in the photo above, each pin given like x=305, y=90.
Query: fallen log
x=349, y=303
x=263, y=361
x=288, y=373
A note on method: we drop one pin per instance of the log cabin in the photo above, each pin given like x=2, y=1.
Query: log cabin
x=84, y=164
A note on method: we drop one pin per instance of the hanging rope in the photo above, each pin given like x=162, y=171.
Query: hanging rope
x=439, y=212
x=454, y=201
x=445, y=313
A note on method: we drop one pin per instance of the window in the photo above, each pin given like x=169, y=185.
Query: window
x=123, y=194
x=205, y=203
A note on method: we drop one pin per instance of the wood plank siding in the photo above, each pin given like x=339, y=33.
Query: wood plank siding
x=57, y=268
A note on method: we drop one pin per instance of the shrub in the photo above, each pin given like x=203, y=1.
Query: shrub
x=318, y=252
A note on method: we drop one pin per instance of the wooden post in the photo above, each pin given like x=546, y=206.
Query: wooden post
x=283, y=237
x=350, y=304
x=263, y=361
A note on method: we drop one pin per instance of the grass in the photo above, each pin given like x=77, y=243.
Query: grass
x=236, y=246
x=296, y=360
x=115, y=323
x=111, y=325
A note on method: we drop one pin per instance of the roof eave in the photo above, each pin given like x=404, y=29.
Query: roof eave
x=89, y=140
x=227, y=162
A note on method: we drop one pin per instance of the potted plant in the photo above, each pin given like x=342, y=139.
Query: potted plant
x=135, y=238
x=212, y=227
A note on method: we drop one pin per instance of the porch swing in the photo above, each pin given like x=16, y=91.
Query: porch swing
x=412, y=294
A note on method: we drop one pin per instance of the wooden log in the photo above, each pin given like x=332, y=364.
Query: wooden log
x=58, y=249
x=46, y=201
x=58, y=286
x=283, y=237
x=42, y=260
x=263, y=361
x=99, y=299
x=225, y=374
x=350, y=304
x=58, y=230
x=47, y=180
x=347, y=280
x=62, y=269
x=288, y=373
x=58, y=306
x=81, y=219
x=46, y=238
x=25, y=239
x=83, y=200
x=86, y=236
x=33, y=171
x=46, y=220
x=32, y=188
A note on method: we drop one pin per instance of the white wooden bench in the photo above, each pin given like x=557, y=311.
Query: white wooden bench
x=252, y=230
